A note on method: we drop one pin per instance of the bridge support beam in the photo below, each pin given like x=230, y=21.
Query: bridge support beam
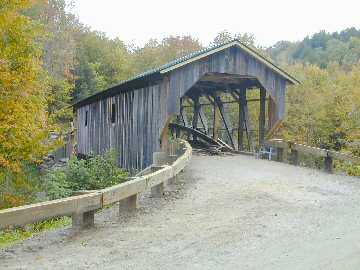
x=244, y=121
x=226, y=122
x=203, y=121
x=241, y=128
x=196, y=112
x=216, y=119
x=183, y=113
x=262, y=116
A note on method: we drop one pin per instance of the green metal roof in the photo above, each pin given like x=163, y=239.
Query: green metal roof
x=179, y=62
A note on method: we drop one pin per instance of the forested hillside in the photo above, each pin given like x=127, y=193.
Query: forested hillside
x=49, y=59
x=320, y=49
x=325, y=109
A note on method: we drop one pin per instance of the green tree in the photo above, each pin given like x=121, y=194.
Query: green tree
x=321, y=49
x=156, y=53
x=58, y=45
x=100, y=63
x=225, y=36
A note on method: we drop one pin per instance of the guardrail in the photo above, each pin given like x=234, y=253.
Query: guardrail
x=283, y=147
x=83, y=207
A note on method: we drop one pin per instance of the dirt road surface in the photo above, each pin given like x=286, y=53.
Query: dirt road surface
x=232, y=212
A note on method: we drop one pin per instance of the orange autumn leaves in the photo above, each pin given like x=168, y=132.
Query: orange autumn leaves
x=23, y=117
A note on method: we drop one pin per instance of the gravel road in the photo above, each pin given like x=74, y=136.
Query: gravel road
x=231, y=212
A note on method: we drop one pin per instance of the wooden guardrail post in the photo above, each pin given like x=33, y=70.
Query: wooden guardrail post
x=171, y=159
x=159, y=158
x=280, y=154
x=328, y=163
x=294, y=155
x=130, y=203
x=83, y=220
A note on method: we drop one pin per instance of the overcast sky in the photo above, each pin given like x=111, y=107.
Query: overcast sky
x=270, y=21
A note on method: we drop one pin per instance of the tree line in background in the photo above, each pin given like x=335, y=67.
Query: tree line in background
x=322, y=49
x=49, y=59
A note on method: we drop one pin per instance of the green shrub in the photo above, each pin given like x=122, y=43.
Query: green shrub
x=56, y=185
x=350, y=169
x=96, y=172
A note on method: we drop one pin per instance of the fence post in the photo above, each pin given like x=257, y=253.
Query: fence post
x=159, y=158
x=328, y=163
x=128, y=204
x=280, y=154
x=83, y=220
x=172, y=158
x=294, y=157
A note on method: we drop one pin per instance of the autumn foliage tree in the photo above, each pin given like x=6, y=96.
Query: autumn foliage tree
x=324, y=110
x=24, y=126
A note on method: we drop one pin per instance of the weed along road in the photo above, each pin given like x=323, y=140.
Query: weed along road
x=224, y=212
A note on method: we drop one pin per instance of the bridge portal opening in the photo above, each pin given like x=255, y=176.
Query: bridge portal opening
x=229, y=108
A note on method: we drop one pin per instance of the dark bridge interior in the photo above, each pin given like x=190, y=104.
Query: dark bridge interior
x=217, y=105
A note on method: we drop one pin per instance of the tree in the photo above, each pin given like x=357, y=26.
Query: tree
x=226, y=36
x=324, y=110
x=58, y=57
x=23, y=117
x=321, y=49
x=100, y=62
x=156, y=53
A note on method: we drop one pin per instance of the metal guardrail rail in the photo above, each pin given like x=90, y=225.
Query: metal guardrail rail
x=83, y=207
x=283, y=147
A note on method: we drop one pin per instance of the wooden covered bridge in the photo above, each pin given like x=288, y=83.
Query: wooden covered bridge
x=133, y=117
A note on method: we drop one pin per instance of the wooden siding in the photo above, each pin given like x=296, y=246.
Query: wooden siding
x=231, y=61
x=140, y=118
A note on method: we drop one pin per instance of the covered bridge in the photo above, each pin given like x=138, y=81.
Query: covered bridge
x=133, y=117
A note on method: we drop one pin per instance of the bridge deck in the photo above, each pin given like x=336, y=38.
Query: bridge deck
x=230, y=212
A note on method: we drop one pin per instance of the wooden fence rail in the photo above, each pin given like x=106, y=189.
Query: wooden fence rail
x=288, y=147
x=83, y=207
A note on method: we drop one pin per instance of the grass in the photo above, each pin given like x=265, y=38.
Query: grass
x=10, y=237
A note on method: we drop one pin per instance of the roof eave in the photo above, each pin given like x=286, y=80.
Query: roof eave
x=247, y=49
x=124, y=86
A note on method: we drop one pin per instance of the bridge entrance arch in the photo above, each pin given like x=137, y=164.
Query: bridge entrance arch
x=229, y=107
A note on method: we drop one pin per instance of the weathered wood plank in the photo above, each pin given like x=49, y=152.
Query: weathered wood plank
x=315, y=151
x=309, y=150
x=36, y=212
